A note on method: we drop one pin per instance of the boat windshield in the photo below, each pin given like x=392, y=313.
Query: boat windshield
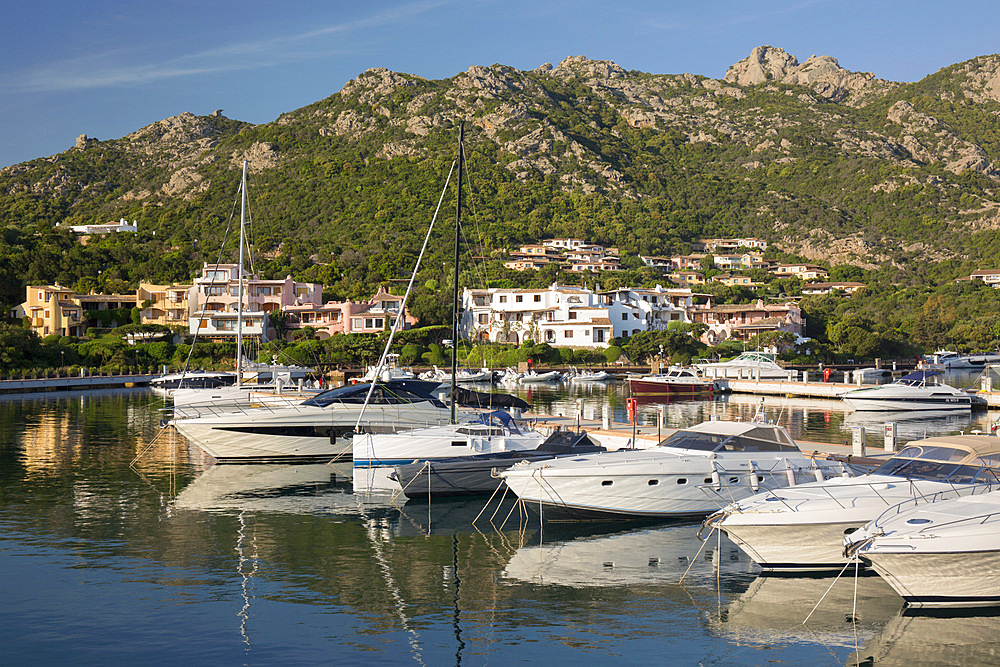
x=356, y=394
x=937, y=471
x=755, y=440
x=935, y=452
x=481, y=431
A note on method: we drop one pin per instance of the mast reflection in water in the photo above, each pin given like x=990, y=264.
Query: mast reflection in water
x=173, y=561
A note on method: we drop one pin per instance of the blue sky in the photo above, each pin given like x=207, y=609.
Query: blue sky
x=108, y=67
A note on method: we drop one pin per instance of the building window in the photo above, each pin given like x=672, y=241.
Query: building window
x=484, y=318
x=503, y=299
x=572, y=315
x=567, y=334
x=356, y=322
x=518, y=298
x=624, y=316
x=215, y=290
x=538, y=298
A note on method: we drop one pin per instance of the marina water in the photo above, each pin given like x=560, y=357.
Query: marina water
x=170, y=560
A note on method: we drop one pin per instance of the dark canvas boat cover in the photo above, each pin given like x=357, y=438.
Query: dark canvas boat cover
x=485, y=399
x=568, y=442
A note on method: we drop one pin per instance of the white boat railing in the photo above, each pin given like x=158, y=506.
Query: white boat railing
x=782, y=471
x=955, y=492
x=874, y=486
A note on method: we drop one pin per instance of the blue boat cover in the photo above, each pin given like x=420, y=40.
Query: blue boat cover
x=919, y=376
x=501, y=417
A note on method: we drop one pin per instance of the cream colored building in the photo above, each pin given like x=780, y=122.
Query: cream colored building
x=53, y=309
x=169, y=305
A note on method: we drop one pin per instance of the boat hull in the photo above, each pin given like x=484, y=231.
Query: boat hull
x=425, y=479
x=794, y=547
x=888, y=404
x=301, y=432
x=653, y=493
x=941, y=580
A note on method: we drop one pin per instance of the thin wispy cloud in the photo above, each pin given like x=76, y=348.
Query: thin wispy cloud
x=779, y=10
x=106, y=70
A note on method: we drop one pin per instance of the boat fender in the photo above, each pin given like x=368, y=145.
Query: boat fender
x=716, y=480
x=754, y=481
x=789, y=473
x=817, y=473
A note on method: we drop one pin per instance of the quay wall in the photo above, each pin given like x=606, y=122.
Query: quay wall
x=75, y=382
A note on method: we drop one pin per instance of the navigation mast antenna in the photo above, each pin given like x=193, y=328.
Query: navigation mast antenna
x=455, y=311
x=239, y=270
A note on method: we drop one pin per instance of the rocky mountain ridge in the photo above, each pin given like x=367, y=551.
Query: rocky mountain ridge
x=812, y=155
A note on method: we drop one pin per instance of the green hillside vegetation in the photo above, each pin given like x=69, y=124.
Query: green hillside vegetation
x=342, y=192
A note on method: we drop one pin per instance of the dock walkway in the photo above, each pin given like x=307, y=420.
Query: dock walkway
x=75, y=382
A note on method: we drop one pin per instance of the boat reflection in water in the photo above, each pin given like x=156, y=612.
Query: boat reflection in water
x=934, y=639
x=772, y=610
x=588, y=556
x=317, y=489
x=912, y=425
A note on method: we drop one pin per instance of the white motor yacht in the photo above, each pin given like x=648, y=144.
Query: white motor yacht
x=751, y=365
x=532, y=377
x=590, y=376
x=947, y=360
x=910, y=392
x=691, y=473
x=462, y=375
x=189, y=403
x=939, y=551
x=191, y=379
x=376, y=454
x=318, y=428
x=803, y=528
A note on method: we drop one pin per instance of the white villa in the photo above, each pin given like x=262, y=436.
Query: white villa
x=569, y=316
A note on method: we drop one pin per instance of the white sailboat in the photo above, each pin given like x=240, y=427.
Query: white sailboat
x=376, y=454
x=282, y=386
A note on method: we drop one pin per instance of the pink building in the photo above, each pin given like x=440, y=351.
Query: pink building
x=214, y=300
x=743, y=321
x=339, y=317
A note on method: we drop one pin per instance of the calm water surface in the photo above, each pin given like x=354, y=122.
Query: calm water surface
x=168, y=562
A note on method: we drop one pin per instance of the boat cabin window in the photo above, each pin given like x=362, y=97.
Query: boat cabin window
x=991, y=460
x=934, y=470
x=935, y=452
x=708, y=442
x=480, y=431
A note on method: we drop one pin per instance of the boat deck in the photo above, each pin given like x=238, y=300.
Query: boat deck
x=620, y=435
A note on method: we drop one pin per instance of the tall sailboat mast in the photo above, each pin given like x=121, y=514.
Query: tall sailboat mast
x=455, y=305
x=239, y=271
